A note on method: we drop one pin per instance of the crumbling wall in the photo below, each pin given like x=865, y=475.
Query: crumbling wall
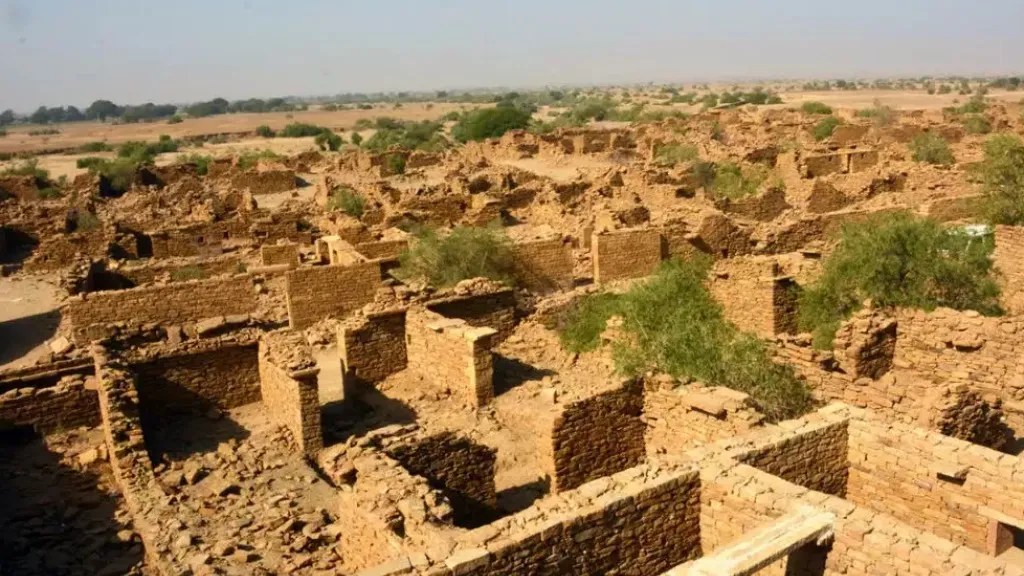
x=289, y=387
x=197, y=376
x=865, y=345
x=461, y=468
x=598, y=436
x=59, y=251
x=544, y=266
x=451, y=355
x=482, y=305
x=382, y=249
x=626, y=254
x=815, y=458
x=265, y=181
x=754, y=296
x=279, y=254
x=634, y=522
x=679, y=419
x=68, y=404
x=148, y=272
x=163, y=304
x=322, y=291
x=1007, y=257
x=201, y=239
x=372, y=347
x=948, y=487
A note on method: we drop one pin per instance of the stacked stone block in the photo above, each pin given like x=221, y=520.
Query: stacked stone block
x=544, y=266
x=289, y=388
x=627, y=254
x=280, y=254
x=372, y=347
x=452, y=355
x=316, y=293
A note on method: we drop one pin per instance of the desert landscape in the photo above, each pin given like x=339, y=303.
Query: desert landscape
x=654, y=329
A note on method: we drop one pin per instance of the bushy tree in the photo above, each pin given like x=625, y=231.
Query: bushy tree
x=899, y=260
x=346, y=200
x=932, y=149
x=7, y=117
x=824, y=128
x=1003, y=179
x=328, y=140
x=815, y=108
x=264, y=131
x=489, y=123
x=673, y=324
x=467, y=252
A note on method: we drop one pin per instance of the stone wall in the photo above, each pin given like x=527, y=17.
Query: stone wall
x=544, y=266
x=382, y=249
x=451, y=356
x=289, y=388
x=169, y=304
x=1009, y=247
x=372, y=347
x=754, y=295
x=489, y=307
x=941, y=485
x=457, y=466
x=634, y=522
x=197, y=376
x=68, y=404
x=276, y=254
x=59, y=251
x=598, y=436
x=679, y=419
x=815, y=459
x=265, y=181
x=201, y=239
x=177, y=270
x=316, y=293
x=626, y=254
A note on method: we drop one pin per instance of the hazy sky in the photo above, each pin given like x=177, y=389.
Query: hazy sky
x=59, y=52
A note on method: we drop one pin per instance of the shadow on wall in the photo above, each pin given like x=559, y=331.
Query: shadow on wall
x=177, y=431
x=21, y=335
x=510, y=373
x=55, y=519
x=518, y=498
x=19, y=246
x=343, y=419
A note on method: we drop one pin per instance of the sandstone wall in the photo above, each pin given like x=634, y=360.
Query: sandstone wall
x=163, y=304
x=137, y=274
x=941, y=485
x=275, y=254
x=202, y=239
x=598, y=436
x=461, y=468
x=265, y=181
x=544, y=266
x=372, y=347
x=59, y=251
x=451, y=356
x=754, y=296
x=195, y=377
x=382, y=249
x=815, y=459
x=633, y=522
x=679, y=419
x=490, y=309
x=626, y=254
x=1007, y=257
x=66, y=405
x=316, y=293
x=289, y=388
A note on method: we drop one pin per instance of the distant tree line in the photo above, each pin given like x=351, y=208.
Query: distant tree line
x=104, y=110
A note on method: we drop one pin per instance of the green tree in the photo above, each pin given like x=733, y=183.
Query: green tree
x=467, y=252
x=489, y=123
x=7, y=117
x=1002, y=174
x=932, y=149
x=899, y=260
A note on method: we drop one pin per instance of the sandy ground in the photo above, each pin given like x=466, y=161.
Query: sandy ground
x=29, y=317
x=78, y=133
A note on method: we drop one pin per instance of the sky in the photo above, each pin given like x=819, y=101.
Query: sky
x=71, y=52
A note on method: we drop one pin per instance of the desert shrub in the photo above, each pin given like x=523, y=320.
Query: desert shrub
x=29, y=167
x=50, y=193
x=364, y=124
x=201, y=162
x=489, y=123
x=356, y=139
x=976, y=105
x=1002, y=174
x=44, y=132
x=673, y=324
x=300, y=130
x=175, y=119
x=729, y=180
x=899, y=260
x=709, y=100
x=92, y=147
x=453, y=116
x=467, y=252
x=90, y=162
x=815, y=108
x=932, y=149
x=143, y=152
x=671, y=154
x=395, y=164
x=119, y=172
x=718, y=132
x=188, y=273
x=393, y=133
x=348, y=201
x=3, y=132
x=264, y=131
x=85, y=220
x=249, y=158
x=976, y=124
x=328, y=140
x=825, y=128
x=883, y=115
